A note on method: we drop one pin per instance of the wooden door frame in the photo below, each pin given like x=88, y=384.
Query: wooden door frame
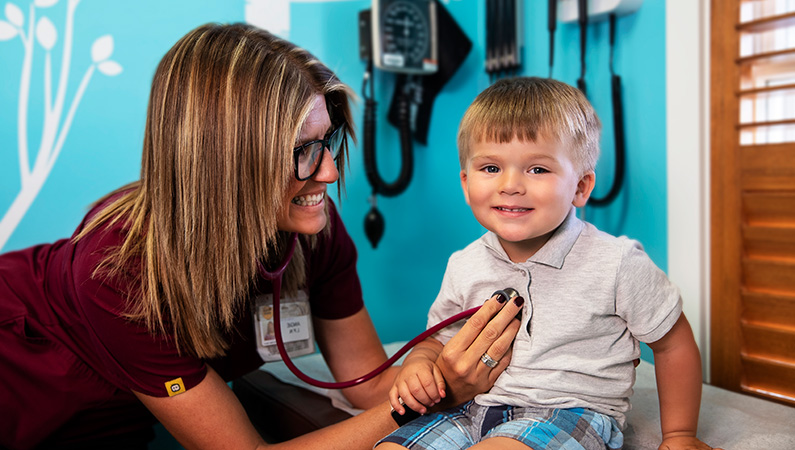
x=726, y=251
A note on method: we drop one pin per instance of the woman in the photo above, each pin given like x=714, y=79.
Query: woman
x=147, y=310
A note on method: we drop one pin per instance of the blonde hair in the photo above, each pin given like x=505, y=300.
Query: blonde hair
x=528, y=107
x=226, y=108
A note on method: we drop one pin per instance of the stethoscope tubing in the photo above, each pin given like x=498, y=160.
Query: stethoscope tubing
x=356, y=381
x=276, y=279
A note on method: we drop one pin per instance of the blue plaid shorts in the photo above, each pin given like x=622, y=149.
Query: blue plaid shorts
x=538, y=428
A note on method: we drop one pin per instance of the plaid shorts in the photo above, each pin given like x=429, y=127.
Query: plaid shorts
x=539, y=428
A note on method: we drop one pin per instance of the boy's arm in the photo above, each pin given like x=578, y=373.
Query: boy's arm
x=419, y=383
x=677, y=365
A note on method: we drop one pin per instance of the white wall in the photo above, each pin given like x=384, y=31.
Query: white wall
x=687, y=86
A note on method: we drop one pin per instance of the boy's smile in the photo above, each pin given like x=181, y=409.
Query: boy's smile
x=522, y=191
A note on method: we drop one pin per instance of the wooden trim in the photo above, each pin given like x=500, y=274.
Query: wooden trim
x=725, y=211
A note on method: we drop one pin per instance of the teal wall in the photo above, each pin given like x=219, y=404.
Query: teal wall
x=423, y=225
x=431, y=220
x=102, y=150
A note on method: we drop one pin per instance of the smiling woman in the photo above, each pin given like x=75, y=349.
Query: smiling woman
x=305, y=210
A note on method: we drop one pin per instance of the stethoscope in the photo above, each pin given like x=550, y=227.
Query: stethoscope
x=276, y=280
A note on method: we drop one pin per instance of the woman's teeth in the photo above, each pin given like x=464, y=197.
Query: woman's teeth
x=308, y=200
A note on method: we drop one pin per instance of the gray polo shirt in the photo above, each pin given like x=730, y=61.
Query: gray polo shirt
x=589, y=299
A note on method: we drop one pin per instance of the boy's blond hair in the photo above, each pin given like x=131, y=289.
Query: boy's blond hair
x=527, y=108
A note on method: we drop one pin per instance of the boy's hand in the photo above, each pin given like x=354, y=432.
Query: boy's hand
x=420, y=384
x=684, y=443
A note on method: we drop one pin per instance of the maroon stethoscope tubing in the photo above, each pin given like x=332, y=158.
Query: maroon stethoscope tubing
x=276, y=279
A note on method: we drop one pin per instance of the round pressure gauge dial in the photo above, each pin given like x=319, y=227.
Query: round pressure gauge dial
x=406, y=31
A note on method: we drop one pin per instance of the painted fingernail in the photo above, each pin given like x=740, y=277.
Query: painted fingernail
x=502, y=297
x=518, y=301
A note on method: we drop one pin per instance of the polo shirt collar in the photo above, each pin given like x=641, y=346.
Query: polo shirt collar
x=554, y=252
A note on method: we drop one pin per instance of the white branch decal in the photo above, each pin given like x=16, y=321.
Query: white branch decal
x=55, y=130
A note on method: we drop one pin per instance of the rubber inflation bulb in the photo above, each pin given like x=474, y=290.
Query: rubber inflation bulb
x=374, y=226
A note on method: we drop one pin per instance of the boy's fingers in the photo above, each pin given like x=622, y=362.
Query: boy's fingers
x=440, y=384
x=416, y=397
x=429, y=383
x=394, y=400
x=411, y=402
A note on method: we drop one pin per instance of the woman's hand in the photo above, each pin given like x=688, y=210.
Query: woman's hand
x=490, y=330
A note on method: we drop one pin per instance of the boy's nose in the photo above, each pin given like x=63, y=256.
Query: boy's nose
x=511, y=182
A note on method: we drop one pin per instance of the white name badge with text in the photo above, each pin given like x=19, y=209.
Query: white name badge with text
x=296, y=323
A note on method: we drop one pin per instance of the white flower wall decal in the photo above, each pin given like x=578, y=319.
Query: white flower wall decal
x=55, y=125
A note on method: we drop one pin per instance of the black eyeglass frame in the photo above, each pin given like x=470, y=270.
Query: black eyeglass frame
x=326, y=145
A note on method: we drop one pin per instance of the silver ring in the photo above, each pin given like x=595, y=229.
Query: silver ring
x=488, y=360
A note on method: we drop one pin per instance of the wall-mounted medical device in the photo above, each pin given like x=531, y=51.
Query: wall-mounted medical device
x=504, y=36
x=568, y=10
x=420, y=42
x=404, y=36
x=583, y=12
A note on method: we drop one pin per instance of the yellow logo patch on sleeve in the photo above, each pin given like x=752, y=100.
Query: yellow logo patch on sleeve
x=175, y=387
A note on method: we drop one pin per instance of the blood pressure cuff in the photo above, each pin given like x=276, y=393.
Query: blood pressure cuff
x=453, y=48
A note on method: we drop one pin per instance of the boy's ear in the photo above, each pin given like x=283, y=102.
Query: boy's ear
x=584, y=188
x=464, y=185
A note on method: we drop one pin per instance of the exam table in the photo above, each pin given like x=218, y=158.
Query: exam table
x=282, y=407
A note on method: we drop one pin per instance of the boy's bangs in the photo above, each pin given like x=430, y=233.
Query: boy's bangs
x=503, y=129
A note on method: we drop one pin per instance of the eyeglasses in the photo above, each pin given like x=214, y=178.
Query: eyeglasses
x=308, y=157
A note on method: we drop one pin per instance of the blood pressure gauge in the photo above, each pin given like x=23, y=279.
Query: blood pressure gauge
x=404, y=36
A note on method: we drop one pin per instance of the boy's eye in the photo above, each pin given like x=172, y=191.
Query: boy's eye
x=538, y=170
x=491, y=169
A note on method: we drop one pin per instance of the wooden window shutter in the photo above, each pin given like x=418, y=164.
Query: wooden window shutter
x=752, y=162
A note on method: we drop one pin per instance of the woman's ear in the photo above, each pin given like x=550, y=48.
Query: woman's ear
x=584, y=188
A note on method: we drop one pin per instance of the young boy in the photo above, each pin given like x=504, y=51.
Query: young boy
x=528, y=148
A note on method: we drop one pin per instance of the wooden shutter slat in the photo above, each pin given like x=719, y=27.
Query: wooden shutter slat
x=769, y=341
x=767, y=23
x=771, y=378
x=771, y=276
x=774, y=55
x=768, y=167
x=765, y=90
x=768, y=208
x=767, y=123
x=768, y=308
x=770, y=242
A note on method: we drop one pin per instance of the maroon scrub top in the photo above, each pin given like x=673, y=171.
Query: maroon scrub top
x=69, y=361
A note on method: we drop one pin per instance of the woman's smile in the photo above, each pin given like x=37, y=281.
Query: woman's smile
x=310, y=199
